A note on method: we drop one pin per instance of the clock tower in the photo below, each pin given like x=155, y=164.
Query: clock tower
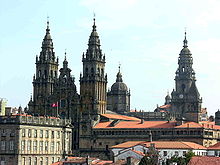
x=186, y=101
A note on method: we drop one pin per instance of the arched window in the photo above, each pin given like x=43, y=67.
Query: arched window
x=39, y=73
x=102, y=72
x=51, y=73
x=183, y=87
x=45, y=73
x=86, y=71
x=92, y=72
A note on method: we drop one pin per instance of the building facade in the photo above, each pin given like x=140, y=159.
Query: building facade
x=34, y=140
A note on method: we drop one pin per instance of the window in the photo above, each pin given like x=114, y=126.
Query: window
x=29, y=132
x=41, y=161
x=58, y=134
x=41, y=145
x=53, y=159
x=41, y=133
x=23, y=161
x=46, y=146
x=52, y=134
x=164, y=153
x=52, y=146
x=35, y=161
x=11, y=145
x=58, y=146
x=35, y=145
x=23, y=132
x=47, y=134
x=22, y=145
x=46, y=160
x=184, y=152
x=29, y=161
x=3, y=145
x=29, y=145
x=35, y=133
x=176, y=153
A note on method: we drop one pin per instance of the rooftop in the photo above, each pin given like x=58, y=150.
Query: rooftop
x=162, y=145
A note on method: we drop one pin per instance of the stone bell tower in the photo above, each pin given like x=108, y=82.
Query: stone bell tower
x=93, y=83
x=186, y=101
x=46, y=75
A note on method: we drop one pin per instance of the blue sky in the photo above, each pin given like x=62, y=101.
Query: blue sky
x=144, y=36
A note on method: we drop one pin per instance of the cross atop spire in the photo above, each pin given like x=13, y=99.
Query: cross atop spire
x=185, y=41
x=119, y=75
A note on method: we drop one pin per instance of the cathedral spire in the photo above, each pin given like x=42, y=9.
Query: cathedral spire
x=119, y=75
x=185, y=41
x=65, y=62
x=47, y=41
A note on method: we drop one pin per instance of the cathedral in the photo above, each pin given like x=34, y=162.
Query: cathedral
x=102, y=118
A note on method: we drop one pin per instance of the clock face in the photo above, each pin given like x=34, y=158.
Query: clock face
x=181, y=96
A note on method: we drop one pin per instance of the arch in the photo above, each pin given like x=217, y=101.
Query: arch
x=183, y=86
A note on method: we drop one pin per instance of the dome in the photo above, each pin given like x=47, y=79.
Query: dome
x=119, y=86
x=185, y=51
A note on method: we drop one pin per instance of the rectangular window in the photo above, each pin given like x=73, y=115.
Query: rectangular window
x=35, y=133
x=3, y=145
x=176, y=153
x=35, y=145
x=52, y=134
x=58, y=146
x=52, y=146
x=41, y=133
x=23, y=132
x=29, y=145
x=29, y=161
x=58, y=134
x=22, y=145
x=41, y=145
x=46, y=146
x=46, y=160
x=184, y=152
x=11, y=145
x=164, y=153
x=29, y=133
x=53, y=159
x=35, y=161
x=47, y=134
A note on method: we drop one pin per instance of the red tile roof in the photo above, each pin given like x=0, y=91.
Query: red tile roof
x=128, y=144
x=199, y=125
x=137, y=124
x=165, y=106
x=215, y=146
x=204, y=160
x=121, y=117
x=162, y=145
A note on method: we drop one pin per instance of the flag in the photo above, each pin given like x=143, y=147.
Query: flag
x=54, y=104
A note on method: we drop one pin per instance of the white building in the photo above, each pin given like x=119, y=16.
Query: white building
x=166, y=149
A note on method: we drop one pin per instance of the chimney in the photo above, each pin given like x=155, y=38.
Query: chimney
x=150, y=136
x=128, y=161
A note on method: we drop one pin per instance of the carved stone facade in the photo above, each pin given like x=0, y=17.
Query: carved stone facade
x=186, y=101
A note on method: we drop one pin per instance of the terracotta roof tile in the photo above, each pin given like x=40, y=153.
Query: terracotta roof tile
x=137, y=124
x=215, y=146
x=165, y=106
x=162, y=144
x=203, y=160
x=121, y=117
x=199, y=125
x=128, y=144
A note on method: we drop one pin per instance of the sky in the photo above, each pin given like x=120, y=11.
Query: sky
x=144, y=36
